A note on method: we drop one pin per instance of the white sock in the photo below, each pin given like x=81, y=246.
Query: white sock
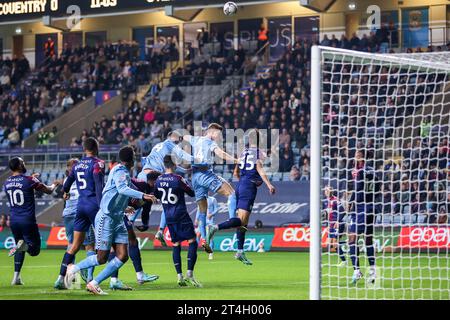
x=189, y=273
x=240, y=251
x=372, y=269
x=180, y=276
x=140, y=275
x=113, y=279
x=94, y=283
x=16, y=274
x=60, y=278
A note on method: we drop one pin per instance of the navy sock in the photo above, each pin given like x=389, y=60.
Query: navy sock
x=135, y=255
x=19, y=257
x=370, y=251
x=176, y=255
x=192, y=255
x=354, y=255
x=240, y=235
x=231, y=223
x=340, y=251
x=111, y=257
x=67, y=259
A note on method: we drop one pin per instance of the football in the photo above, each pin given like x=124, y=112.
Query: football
x=230, y=8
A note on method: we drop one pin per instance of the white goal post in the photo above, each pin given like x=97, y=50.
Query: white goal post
x=380, y=175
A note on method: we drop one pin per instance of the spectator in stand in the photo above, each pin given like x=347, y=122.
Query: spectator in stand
x=49, y=48
x=263, y=37
x=177, y=95
x=202, y=38
x=305, y=170
x=149, y=116
x=295, y=174
x=43, y=138
x=286, y=158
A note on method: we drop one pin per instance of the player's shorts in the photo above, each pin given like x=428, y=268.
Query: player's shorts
x=245, y=195
x=85, y=217
x=181, y=231
x=69, y=222
x=204, y=181
x=362, y=222
x=28, y=232
x=109, y=229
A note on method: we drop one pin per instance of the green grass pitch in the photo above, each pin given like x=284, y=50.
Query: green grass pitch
x=274, y=275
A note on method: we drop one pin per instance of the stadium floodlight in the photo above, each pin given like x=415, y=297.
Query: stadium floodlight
x=380, y=129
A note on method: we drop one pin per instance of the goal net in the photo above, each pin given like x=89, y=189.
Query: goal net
x=380, y=175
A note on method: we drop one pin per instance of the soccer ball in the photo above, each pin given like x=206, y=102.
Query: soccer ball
x=230, y=8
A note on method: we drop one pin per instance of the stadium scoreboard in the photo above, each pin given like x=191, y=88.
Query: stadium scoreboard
x=34, y=9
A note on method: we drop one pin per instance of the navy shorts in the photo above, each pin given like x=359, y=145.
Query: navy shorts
x=245, y=195
x=181, y=231
x=29, y=232
x=69, y=222
x=85, y=217
x=362, y=222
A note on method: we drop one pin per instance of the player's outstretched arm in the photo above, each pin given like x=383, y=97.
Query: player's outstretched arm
x=183, y=155
x=99, y=180
x=237, y=172
x=69, y=181
x=263, y=175
x=44, y=188
x=186, y=187
x=121, y=181
x=225, y=156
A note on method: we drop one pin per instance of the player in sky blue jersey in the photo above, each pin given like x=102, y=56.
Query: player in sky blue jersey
x=147, y=187
x=171, y=189
x=365, y=189
x=110, y=230
x=204, y=149
x=155, y=162
x=252, y=175
x=69, y=214
x=213, y=208
x=20, y=191
x=89, y=176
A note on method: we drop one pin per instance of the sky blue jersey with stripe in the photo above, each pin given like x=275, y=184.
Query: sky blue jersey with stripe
x=203, y=151
x=155, y=160
x=118, y=191
x=70, y=207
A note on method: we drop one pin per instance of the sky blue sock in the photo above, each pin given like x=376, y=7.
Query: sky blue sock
x=111, y=256
x=232, y=205
x=111, y=267
x=89, y=262
x=90, y=270
x=202, y=224
x=162, y=222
